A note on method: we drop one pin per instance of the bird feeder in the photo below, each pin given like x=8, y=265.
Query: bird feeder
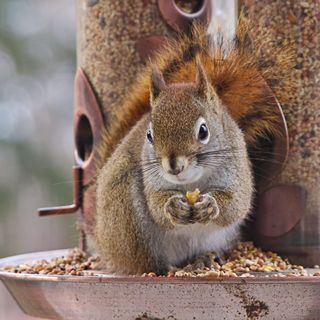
x=114, y=40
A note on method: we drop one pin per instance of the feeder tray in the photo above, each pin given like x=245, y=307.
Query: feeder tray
x=108, y=297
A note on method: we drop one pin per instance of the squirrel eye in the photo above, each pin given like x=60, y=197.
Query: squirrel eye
x=149, y=136
x=203, y=135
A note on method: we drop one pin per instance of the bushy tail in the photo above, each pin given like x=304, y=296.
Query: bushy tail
x=242, y=71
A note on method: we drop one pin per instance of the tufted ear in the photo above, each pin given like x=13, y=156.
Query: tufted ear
x=202, y=83
x=157, y=84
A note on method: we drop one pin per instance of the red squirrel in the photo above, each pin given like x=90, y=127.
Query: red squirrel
x=186, y=124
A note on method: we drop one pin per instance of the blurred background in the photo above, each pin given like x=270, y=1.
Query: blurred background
x=37, y=67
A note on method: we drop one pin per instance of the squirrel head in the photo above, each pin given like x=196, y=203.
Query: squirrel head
x=188, y=124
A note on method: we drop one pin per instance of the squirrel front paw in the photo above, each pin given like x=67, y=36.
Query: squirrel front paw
x=178, y=209
x=208, y=260
x=206, y=209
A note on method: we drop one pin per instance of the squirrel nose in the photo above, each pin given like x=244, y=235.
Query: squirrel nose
x=176, y=171
x=174, y=165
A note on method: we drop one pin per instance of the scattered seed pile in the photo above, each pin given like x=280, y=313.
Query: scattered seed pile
x=76, y=263
x=245, y=260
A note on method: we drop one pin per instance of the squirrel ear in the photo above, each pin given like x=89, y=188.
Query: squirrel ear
x=202, y=84
x=157, y=83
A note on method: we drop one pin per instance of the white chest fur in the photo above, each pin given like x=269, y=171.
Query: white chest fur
x=186, y=242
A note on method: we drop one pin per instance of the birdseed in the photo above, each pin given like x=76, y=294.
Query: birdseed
x=246, y=260
x=107, y=33
x=75, y=263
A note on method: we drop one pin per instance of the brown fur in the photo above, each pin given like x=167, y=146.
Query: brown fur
x=120, y=222
x=143, y=221
x=240, y=72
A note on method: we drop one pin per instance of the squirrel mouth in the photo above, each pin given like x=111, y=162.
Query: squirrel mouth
x=185, y=177
x=178, y=177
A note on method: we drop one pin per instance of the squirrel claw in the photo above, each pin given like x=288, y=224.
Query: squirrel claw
x=206, y=209
x=178, y=209
x=204, y=261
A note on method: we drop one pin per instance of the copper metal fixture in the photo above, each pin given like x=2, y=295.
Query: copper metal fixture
x=88, y=126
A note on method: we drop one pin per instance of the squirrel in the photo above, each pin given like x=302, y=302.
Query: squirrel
x=187, y=123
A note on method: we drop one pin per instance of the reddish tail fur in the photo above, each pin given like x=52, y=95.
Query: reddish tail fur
x=241, y=72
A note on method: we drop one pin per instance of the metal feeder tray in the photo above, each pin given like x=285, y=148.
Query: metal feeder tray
x=103, y=296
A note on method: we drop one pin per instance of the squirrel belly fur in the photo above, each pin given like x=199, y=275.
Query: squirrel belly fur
x=186, y=124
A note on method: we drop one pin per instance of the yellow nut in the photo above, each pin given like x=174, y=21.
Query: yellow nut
x=193, y=196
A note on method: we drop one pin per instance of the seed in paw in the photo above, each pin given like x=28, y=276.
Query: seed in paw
x=193, y=196
x=210, y=210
